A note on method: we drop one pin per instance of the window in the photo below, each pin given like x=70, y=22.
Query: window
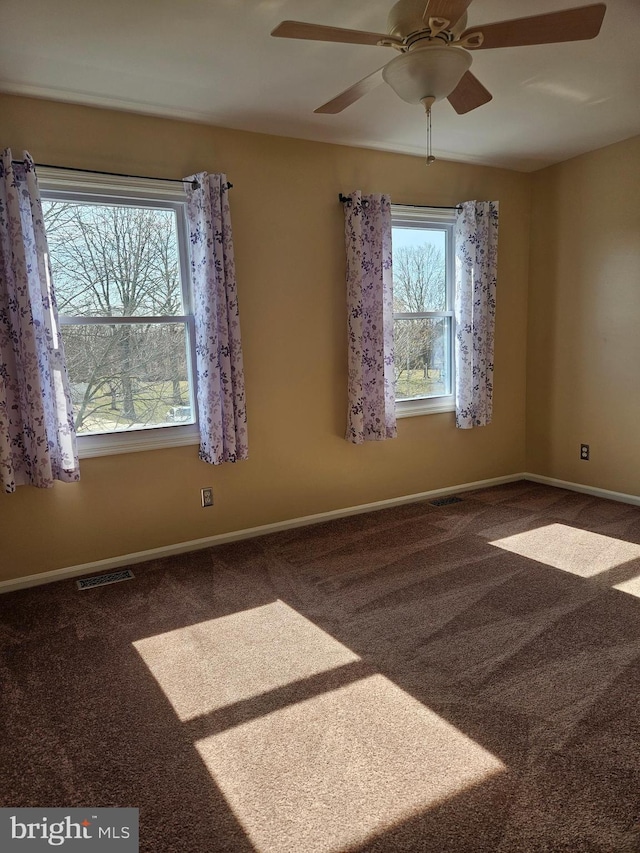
x=423, y=275
x=119, y=261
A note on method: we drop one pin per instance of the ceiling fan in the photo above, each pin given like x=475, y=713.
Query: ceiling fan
x=435, y=48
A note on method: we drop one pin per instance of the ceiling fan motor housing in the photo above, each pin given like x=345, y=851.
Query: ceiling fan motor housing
x=407, y=17
x=431, y=71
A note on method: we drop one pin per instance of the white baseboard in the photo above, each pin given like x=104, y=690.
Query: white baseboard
x=622, y=497
x=251, y=532
x=236, y=535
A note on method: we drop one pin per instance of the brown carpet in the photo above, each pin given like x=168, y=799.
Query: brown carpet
x=446, y=679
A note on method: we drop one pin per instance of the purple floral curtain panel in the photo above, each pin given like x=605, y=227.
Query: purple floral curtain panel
x=37, y=432
x=220, y=374
x=372, y=406
x=476, y=233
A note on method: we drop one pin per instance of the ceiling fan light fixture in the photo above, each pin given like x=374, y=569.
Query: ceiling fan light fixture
x=430, y=71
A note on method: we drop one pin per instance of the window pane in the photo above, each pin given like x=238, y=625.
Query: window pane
x=113, y=260
x=128, y=376
x=419, y=280
x=422, y=362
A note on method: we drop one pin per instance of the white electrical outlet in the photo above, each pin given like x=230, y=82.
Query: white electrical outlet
x=206, y=496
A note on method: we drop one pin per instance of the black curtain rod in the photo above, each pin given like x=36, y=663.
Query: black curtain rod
x=344, y=199
x=195, y=185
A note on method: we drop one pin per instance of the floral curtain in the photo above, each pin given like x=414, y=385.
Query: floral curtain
x=37, y=433
x=372, y=407
x=220, y=374
x=475, y=309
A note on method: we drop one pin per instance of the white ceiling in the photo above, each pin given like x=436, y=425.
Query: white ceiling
x=214, y=61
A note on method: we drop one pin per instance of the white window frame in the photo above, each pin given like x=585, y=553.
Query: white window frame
x=440, y=219
x=106, y=189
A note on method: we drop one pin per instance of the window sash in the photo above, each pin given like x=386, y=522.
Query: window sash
x=424, y=315
x=449, y=372
x=104, y=320
x=137, y=199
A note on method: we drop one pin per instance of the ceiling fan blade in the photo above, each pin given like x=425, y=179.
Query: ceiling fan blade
x=469, y=94
x=318, y=32
x=352, y=94
x=568, y=25
x=450, y=10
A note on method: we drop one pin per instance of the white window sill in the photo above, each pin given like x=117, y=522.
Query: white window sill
x=137, y=441
x=425, y=406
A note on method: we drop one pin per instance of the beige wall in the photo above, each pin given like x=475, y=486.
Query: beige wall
x=288, y=229
x=584, y=320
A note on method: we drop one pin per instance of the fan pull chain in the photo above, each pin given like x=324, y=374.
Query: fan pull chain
x=430, y=158
x=427, y=103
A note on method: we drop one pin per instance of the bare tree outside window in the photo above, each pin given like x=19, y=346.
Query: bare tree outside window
x=119, y=261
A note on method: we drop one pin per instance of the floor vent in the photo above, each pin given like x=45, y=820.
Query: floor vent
x=103, y=580
x=446, y=501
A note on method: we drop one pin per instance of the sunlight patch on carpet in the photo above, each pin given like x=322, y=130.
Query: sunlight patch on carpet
x=335, y=770
x=580, y=552
x=631, y=586
x=202, y=668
